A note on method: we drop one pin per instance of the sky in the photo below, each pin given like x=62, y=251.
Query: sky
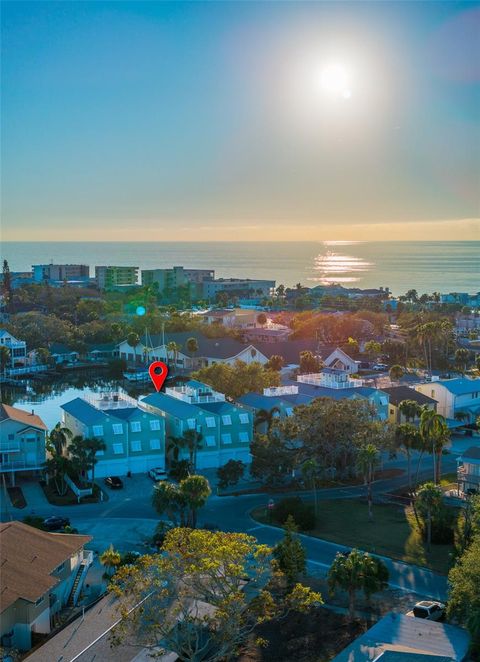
x=126, y=121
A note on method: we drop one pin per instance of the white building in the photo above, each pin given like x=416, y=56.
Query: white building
x=17, y=349
x=455, y=397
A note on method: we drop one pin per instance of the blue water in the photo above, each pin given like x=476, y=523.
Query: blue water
x=426, y=266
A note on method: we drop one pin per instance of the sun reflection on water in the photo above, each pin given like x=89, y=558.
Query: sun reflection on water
x=331, y=267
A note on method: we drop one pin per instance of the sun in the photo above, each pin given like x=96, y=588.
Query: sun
x=335, y=80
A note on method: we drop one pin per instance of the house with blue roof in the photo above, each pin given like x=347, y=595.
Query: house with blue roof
x=134, y=437
x=277, y=400
x=226, y=428
x=457, y=398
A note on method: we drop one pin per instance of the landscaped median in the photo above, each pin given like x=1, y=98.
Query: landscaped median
x=69, y=498
x=394, y=532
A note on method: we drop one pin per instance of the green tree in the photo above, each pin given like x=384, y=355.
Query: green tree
x=7, y=286
x=43, y=356
x=192, y=347
x=463, y=602
x=429, y=500
x=461, y=358
x=435, y=435
x=4, y=357
x=357, y=572
x=309, y=363
x=173, y=350
x=83, y=453
x=133, y=340
x=58, y=438
x=169, y=499
x=272, y=460
x=367, y=462
x=275, y=362
x=410, y=409
x=373, y=349
x=230, y=473
x=290, y=554
x=407, y=438
x=196, y=490
x=266, y=417
x=237, y=379
x=191, y=441
x=58, y=466
x=195, y=568
x=111, y=559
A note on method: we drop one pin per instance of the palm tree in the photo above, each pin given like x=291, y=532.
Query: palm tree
x=266, y=416
x=133, y=340
x=174, y=348
x=192, y=347
x=408, y=439
x=461, y=358
x=83, y=453
x=367, y=461
x=433, y=429
x=196, y=490
x=309, y=471
x=58, y=438
x=110, y=559
x=357, y=572
x=59, y=466
x=429, y=499
x=410, y=409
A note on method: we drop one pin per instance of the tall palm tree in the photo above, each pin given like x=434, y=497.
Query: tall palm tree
x=133, y=340
x=433, y=429
x=83, y=453
x=266, y=416
x=196, y=490
x=410, y=409
x=58, y=438
x=173, y=348
x=192, y=347
x=110, y=559
x=358, y=571
x=367, y=461
x=408, y=438
x=429, y=499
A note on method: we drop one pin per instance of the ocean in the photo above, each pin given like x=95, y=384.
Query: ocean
x=426, y=266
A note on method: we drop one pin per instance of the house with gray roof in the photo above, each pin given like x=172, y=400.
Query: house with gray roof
x=226, y=428
x=134, y=438
x=398, y=394
x=407, y=636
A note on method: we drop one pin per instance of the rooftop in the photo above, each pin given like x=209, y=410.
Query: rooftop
x=13, y=414
x=460, y=385
x=28, y=556
x=400, y=393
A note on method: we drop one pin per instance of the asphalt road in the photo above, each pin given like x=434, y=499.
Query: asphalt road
x=128, y=519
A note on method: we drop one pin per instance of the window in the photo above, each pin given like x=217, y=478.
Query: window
x=135, y=426
x=135, y=445
x=226, y=438
x=155, y=424
x=99, y=453
x=210, y=421
x=118, y=449
x=392, y=411
x=243, y=436
x=97, y=430
x=210, y=441
x=117, y=428
x=244, y=418
x=155, y=444
x=191, y=423
x=383, y=400
x=227, y=419
x=59, y=568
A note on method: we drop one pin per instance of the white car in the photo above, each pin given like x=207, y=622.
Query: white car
x=158, y=474
x=428, y=609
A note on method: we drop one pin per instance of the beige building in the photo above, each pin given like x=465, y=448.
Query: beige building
x=40, y=574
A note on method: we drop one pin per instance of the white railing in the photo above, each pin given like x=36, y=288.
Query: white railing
x=9, y=446
x=21, y=465
x=76, y=490
x=329, y=381
x=280, y=390
x=192, y=396
x=110, y=400
x=27, y=370
x=87, y=560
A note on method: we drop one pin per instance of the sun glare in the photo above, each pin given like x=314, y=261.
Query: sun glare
x=335, y=80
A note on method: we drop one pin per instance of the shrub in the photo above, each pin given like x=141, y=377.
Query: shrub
x=303, y=515
x=230, y=473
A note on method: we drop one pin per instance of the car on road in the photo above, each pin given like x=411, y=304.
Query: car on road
x=429, y=610
x=114, y=482
x=55, y=523
x=157, y=474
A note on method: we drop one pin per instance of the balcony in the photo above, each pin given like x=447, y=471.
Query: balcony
x=464, y=476
x=9, y=446
x=21, y=465
x=110, y=400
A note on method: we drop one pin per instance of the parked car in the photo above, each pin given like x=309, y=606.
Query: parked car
x=380, y=367
x=428, y=609
x=157, y=474
x=114, y=482
x=54, y=523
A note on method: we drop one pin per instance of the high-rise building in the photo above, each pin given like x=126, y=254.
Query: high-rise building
x=111, y=277
x=60, y=273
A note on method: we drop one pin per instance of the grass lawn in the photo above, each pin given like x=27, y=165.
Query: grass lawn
x=393, y=532
x=69, y=499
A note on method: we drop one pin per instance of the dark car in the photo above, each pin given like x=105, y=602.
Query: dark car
x=114, y=482
x=55, y=523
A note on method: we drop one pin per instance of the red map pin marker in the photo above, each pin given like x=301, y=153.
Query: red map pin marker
x=158, y=372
